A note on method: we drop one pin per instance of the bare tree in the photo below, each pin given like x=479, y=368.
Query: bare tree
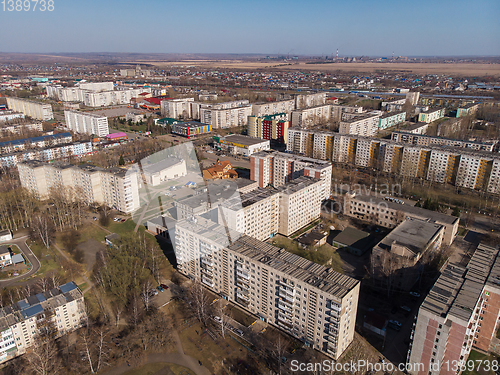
x=146, y=293
x=199, y=301
x=280, y=346
x=43, y=229
x=223, y=318
x=42, y=359
x=95, y=343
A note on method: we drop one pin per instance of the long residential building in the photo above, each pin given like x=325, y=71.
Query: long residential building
x=177, y=108
x=311, y=302
x=309, y=100
x=115, y=187
x=459, y=313
x=273, y=127
x=272, y=108
x=226, y=115
x=35, y=142
x=308, y=117
x=10, y=115
x=366, y=125
x=30, y=108
x=412, y=155
x=56, y=312
x=87, y=123
x=391, y=119
x=22, y=126
x=431, y=115
x=278, y=168
x=66, y=150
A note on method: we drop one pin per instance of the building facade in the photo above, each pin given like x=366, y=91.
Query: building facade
x=30, y=108
x=87, y=123
x=273, y=127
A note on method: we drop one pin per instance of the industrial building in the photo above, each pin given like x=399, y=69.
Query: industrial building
x=241, y=144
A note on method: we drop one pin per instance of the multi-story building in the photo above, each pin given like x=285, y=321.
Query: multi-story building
x=431, y=115
x=474, y=171
x=428, y=140
x=323, y=146
x=307, y=117
x=339, y=112
x=312, y=303
x=391, y=119
x=278, y=168
x=300, y=141
x=55, y=312
x=35, y=142
x=459, y=313
x=10, y=115
x=226, y=115
x=366, y=125
x=394, y=105
x=191, y=128
x=390, y=214
x=272, y=108
x=115, y=187
x=177, y=108
x=30, y=108
x=467, y=109
x=273, y=127
x=66, y=150
x=309, y=100
x=22, y=127
x=416, y=128
x=87, y=123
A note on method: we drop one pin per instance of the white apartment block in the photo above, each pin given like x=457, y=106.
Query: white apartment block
x=308, y=117
x=339, y=112
x=410, y=161
x=364, y=152
x=311, y=302
x=97, y=86
x=310, y=100
x=226, y=117
x=441, y=164
x=177, y=108
x=407, y=136
x=271, y=108
x=115, y=97
x=115, y=187
x=87, y=123
x=10, y=115
x=366, y=125
x=278, y=168
x=472, y=171
x=30, y=108
x=75, y=149
x=20, y=127
x=35, y=142
x=494, y=183
x=55, y=312
x=298, y=139
x=323, y=146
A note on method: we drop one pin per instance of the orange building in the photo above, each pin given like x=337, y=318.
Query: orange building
x=219, y=171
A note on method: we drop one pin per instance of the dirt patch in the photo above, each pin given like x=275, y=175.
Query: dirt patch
x=90, y=249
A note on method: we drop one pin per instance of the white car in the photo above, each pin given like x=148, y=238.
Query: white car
x=218, y=319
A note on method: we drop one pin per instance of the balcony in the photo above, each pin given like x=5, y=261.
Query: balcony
x=243, y=275
x=208, y=262
x=284, y=318
x=282, y=306
x=286, y=297
x=242, y=296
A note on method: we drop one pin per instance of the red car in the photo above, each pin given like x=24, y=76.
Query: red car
x=164, y=286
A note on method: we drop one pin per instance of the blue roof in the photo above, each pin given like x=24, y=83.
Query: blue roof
x=32, y=311
x=68, y=287
x=41, y=297
x=34, y=139
x=23, y=304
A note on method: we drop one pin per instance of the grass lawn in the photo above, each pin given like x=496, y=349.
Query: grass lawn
x=92, y=231
x=476, y=356
x=47, y=258
x=82, y=286
x=123, y=228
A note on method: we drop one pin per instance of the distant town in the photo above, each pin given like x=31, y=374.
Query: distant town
x=249, y=215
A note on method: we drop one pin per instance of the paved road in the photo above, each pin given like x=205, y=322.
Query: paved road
x=179, y=358
x=20, y=280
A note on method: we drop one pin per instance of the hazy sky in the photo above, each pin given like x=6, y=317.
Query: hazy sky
x=355, y=27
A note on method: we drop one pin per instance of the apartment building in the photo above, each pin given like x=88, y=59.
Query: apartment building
x=366, y=125
x=391, y=119
x=30, y=108
x=22, y=126
x=390, y=214
x=273, y=127
x=278, y=168
x=416, y=128
x=55, y=312
x=339, y=112
x=177, y=108
x=323, y=146
x=344, y=149
x=431, y=115
x=468, y=109
x=272, y=108
x=115, y=187
x=67, y=150
x=394, y=105
x=474, y=171
x=428, y=140
x=459, y=313
x=10, y=115
x=309, y=100
x=300, y=141
x=308, y=117
x=313, y=303
x=87, y=123
x=35, y=142
x=226, y=115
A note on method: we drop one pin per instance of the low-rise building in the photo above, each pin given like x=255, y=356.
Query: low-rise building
x=35, y=142
x=10, y=115
x=391, y=119
x=164, y=170
x=5, y=256
x=468, y=109
x=241, y=144
x=221, y=170
x=191, y=128
x=431, y=115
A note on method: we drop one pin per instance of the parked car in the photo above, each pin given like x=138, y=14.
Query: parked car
x=218, y=319
x=124, y=220
x=395, y=322
x=94, y=218
x=405, y=308
x=164, y=286
x=160, y=288
x=239, y=332
x=415, y=294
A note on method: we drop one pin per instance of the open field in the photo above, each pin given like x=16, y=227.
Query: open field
x=416, y=68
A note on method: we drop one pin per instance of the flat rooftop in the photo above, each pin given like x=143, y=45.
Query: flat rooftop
x=350, y=236
x=244, y=140
x=413, y=234
x=160, y=165
x=416, y=211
